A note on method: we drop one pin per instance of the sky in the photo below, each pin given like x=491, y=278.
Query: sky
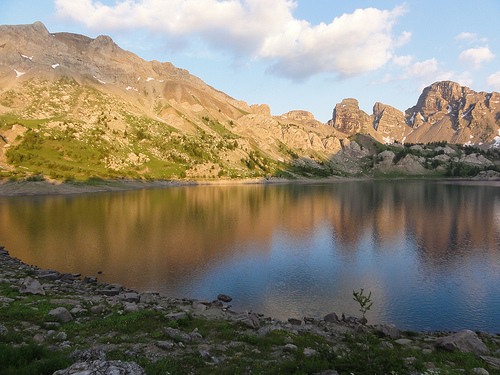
x=296, y=54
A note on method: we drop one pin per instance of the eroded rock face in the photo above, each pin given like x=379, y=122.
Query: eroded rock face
x=390, y=122
x=348, y=118
x=457, y=114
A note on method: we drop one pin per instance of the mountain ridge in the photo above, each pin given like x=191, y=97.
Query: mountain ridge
x=150, y=119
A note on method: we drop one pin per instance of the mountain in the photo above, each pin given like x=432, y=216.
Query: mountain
x=445, y=111
x=73, y=107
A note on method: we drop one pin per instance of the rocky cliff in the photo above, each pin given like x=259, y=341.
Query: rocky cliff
x=445, y=111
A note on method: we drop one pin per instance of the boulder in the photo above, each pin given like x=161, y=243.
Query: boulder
x=61, y=314
x=103, y=367
x=224, y=298
x=465, y=341
x=388, y=330
x=295, y=321
x=31, y=286
x=331, y=318
x=130, y=307
x=3, y=330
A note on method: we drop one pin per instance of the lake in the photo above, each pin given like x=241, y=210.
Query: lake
x=429, y=252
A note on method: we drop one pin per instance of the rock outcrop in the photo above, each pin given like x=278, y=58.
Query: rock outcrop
x=348, y=118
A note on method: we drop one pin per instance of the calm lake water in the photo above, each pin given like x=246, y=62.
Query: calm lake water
x=428, y=252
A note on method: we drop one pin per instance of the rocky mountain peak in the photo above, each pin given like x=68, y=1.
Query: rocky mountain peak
x=348, y=118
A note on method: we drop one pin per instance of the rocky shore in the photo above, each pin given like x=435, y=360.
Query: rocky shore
x=83, y=326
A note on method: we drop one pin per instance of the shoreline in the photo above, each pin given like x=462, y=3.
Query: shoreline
x=92, y=322
x=55, y=187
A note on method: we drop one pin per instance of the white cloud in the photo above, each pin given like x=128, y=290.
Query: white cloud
x=258, y=29
x=494, y=81
x=402, y=60
x=476, y=56
x=424, y=68
x=465, y=35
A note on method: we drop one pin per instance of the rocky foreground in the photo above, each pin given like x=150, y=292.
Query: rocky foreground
x=68, y=324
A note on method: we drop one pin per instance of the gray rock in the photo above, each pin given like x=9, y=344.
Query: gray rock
x=103, y=367
x=295, y=322
x=492, y=361
x=331, y=318
x=90, y=279
x=131, y=297
x=61, y=314
x=149, y=297
x=61, y=336
x=176, y=316
x=403, y=341
x=67, y=277
x=3, y=330
x=251, y=321
x=31, y=286
x=465, y=341
x=130, y=307
x=290, y=347
x=224, y=298
x=108, y=292
x=96, y=309
x=388, y=330
x=89, y=355
x=166, y=345
x=309, y=352
x=38, y=338
x=65, y=301
x=480, y=371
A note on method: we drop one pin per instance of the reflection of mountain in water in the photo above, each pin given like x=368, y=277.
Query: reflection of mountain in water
x=284, y=250
x=187, y=229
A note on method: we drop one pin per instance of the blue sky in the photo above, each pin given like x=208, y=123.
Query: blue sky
x=300, y=54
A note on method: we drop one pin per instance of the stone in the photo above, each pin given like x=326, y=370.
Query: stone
x=331, y=318
x=61, y=336
x=31, y=286
x=348, y=118
x=388, y=330
x=131, y=297
x=88, y=355
x=130, y=307
x=224, y=298
x=251, y=321
x=149, y=297
x=96, y=309
x=465, y=341
x=90, y=279
x=176, y=316
x=480, y=371
x=103, y=367
x=309, y=352
x=67, y=277
x=166, y=345
x=492, y=361
x=61, y=314
x=3, y=330
x=38, y=338
x=108, y=292
x=294, y=321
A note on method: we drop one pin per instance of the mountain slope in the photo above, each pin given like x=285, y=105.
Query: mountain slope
x=86, y=107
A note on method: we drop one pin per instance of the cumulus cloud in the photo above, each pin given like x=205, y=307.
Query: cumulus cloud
x=424, y=68
x=350, y=45
x=494, y=81
x=476, y=56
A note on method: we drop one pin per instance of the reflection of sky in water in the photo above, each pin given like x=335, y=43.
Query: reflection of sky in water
x=429, y=253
